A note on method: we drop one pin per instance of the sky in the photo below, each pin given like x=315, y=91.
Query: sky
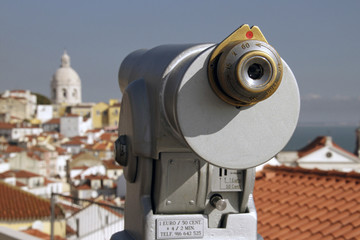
x=318, y=40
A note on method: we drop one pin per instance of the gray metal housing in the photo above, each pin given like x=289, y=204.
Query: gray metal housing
x=177, y=131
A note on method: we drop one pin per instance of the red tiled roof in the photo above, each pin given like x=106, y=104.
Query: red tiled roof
x=83, y=187
x=111, y=164
x=18, y=174
x=296, y=203
x=33, y=156
x=53, y=121
x=95, y=177
x=41, y=235
x=80, y=168
x=94, y=130
x=60, y=150
x=73, y=142
x=13, y=149
x=108, y=136
x=39, y=149
x=4, y=125
x=102, y=146
x=20, y=184
x=71, y=115
x=48, y=181
x=79, y=138
x=18, y=91
x=319, y=143
x=18, y=205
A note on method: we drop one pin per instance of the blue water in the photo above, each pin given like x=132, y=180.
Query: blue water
x=344, y=136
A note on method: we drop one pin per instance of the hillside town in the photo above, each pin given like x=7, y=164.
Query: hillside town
x=58, y=148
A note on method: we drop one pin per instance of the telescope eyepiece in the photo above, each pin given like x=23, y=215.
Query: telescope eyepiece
x=248, y=72
x=255, y=71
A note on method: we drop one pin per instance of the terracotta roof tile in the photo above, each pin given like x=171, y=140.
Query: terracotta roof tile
x=73, y=142
x=18, y=205
x=18, y=174
x=354, y=234
x=296, y=203
x=4, y=125
x=53, y=121
x=342, y=231
x=13, y=149
x=109, y=136
x=41, y=235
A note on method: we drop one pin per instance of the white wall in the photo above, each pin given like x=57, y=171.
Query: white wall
x=44, y=112
x=70, y=126
x=95, y=223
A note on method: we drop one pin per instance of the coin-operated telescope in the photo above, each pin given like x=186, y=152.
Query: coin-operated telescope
x=195, y=120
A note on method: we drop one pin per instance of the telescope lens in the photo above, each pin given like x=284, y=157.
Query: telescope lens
x=255, y=71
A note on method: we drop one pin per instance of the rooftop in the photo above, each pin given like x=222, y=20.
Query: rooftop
x=41, y=235
x=296, y=203
x=321, y=142
x=53, y=121
x=18, y=205
x=18, y=174
x=4, y=125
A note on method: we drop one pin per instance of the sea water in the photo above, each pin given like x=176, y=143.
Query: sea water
x=344, y=136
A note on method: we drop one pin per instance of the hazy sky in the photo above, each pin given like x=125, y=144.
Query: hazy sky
x=318, y=39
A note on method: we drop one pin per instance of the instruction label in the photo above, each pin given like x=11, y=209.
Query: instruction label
x=179, y=228
x=226, y=180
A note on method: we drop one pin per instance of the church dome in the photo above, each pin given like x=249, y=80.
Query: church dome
x=66, y=75
x=66, y=83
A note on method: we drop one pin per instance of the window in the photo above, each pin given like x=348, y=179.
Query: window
x=97, y=112
x=74, y=94
x=77, y=228
x=64, y=92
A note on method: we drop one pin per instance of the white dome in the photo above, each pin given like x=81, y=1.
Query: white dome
x=66, y=76
x=66, y=83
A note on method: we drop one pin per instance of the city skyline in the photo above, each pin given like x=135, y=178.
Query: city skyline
x=316, y=39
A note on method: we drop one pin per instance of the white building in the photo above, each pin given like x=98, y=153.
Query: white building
x=74, y=125
x=61, y=162
x=66, y=83
x=108, y=221
x=31, y=182
x=18, y=131
x=44, y=112
x=4, y=164
x=20, y=104
x=323, y=154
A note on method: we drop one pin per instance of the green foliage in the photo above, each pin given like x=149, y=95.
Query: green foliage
x=41, y=99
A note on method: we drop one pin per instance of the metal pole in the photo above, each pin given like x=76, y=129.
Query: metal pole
x=52, y=220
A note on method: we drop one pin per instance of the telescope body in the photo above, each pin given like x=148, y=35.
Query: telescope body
x=194, y=124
